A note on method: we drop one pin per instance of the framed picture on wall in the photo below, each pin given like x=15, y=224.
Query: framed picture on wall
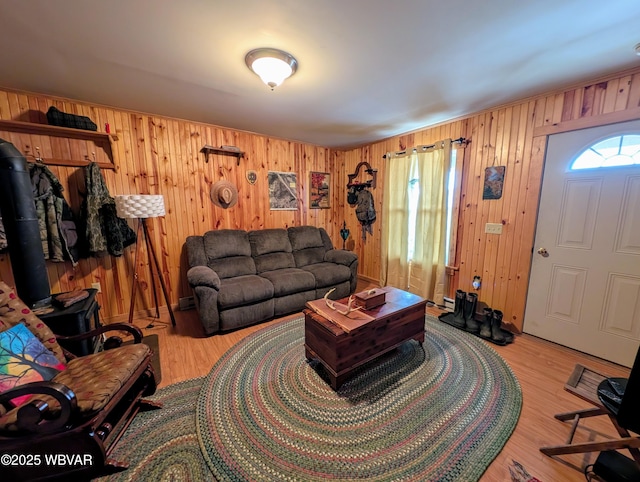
x=493, y=182
x=282, y=191
x=319, y=190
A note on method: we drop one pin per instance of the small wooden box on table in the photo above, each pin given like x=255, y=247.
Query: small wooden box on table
x=371, y=299
x=399, y=319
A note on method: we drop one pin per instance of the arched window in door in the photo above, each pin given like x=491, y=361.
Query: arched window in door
x=621, y=150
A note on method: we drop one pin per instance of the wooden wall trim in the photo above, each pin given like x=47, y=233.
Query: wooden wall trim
x=587, y=122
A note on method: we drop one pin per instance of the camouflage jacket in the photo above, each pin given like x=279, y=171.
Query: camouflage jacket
x=3, y=236
x=57, y=227
x=105, y=231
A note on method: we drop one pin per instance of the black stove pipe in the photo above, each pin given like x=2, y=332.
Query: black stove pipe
x=21, y=227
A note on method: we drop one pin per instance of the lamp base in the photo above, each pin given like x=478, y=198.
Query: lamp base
x=152, y=256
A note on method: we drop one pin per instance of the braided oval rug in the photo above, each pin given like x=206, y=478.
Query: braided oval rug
x=162, y=445
x=439, y=414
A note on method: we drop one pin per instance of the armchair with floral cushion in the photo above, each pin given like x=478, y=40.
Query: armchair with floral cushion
x=61, y=415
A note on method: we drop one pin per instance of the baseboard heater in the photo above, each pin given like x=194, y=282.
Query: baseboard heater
x=187, y=303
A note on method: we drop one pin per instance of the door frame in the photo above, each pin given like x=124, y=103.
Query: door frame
x=541, y=136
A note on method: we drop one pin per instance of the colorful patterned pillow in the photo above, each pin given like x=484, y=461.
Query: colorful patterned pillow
x=23, y=359
x=14, y=311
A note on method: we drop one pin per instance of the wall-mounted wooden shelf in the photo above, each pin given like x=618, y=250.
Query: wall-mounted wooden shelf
x=100, y=139
x=224, y=150
x=47, y=130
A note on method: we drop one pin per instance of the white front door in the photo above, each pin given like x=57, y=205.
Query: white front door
x=584, y=289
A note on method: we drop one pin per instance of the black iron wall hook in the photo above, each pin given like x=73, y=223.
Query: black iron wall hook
x=369, y=183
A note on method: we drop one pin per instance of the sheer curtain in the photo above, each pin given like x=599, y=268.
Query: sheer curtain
x=414, y=220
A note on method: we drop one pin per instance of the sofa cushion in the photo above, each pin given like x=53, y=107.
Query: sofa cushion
x=341, y=291
x=243, y=290
x=267, y=241
x=290, y=280
x=229, y=253
x=293, y=302
x=308, y=256
x=246, y=315
x=274, y=261
x=271, y=250
x=308, y=246
x=303, y=237
x=328, y=245
x=328, y=274
x=224, y=243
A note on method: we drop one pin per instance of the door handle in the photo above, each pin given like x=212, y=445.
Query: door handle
x=543, y=252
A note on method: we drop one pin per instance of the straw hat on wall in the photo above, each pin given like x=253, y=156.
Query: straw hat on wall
x=224, y=194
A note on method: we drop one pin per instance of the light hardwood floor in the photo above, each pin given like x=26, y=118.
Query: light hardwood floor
x=541, y=367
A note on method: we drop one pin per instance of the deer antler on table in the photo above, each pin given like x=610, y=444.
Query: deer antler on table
x=339, y=307
x=348, y=317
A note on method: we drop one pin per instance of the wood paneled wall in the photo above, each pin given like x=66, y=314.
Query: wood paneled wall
x=158, y=155
x=514, y=136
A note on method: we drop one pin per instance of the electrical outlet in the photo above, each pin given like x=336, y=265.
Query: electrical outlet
x=493, y=228
x=96, y=286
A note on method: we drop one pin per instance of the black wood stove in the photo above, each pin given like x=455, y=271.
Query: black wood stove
x=27, y=256
x=76, y=319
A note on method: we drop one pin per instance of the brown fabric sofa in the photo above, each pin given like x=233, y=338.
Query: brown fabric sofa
x=240, y=278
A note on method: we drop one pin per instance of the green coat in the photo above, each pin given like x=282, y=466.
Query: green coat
x=57, y=228
x=105, y=231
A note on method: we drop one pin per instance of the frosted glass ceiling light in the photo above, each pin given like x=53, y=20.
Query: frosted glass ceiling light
x=273, y=66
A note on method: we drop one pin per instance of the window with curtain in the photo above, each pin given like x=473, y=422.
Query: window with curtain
x=414, y=192
x=417, y=219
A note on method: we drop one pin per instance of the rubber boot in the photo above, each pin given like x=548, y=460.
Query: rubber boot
x=457, y=317
x=496, y=331
x=470, y=323
x=485, y=329
x=508, y=336
x=458, y=312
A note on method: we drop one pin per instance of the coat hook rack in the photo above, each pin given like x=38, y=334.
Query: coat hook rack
x=369, y=183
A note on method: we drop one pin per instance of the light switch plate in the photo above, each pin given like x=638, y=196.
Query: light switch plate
x=493, y=228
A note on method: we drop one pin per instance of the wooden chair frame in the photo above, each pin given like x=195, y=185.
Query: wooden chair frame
x=91, y=438
x=583, y=383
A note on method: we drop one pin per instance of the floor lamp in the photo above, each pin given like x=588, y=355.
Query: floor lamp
x=141, y=207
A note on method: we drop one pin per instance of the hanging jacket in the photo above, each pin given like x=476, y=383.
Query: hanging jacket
x=105, y=231
x=3, y=236
x=57, y=226
x=365, y=211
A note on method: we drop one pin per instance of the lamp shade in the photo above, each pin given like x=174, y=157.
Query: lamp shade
x=140, y=205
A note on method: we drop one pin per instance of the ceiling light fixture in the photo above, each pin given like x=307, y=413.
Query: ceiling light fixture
x=637, y=49
x=273, y=66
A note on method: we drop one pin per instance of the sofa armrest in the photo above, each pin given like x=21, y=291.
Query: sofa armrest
x=340, y=256
x=203, y=276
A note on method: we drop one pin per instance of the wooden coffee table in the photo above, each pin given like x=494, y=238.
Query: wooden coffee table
x=400, y=319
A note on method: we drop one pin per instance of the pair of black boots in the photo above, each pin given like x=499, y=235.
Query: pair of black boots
x=488, y=326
